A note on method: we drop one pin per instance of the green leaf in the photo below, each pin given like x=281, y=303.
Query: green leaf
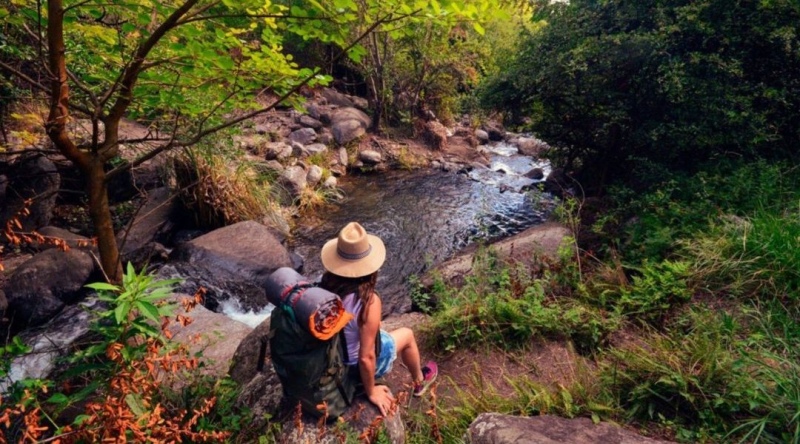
x=147, y=329
x=134, y=401
x=80, y=419
x=478, y=28
x=149, y=310
x=121, y=312
x=102, y=286
x=58, y=398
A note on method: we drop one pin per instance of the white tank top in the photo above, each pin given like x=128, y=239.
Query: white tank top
x=352, y=304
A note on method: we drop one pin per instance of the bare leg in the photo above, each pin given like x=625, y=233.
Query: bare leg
x=408, y=351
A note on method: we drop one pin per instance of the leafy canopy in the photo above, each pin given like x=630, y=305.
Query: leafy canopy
x=214, y=60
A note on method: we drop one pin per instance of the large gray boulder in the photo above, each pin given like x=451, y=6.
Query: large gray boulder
x=42, y=286
x=230, y=262
x=310, y=122
x=370, y=157
x=294, y=179
x=535, y=174
x=435, y=135
x=495, y=131
x=482, y=136
x=248, y=249
x=213, y=335
x=334, y=97
x=314, y=175
x=347, y=131
x=303, y=136
x=345, y=114
x=312, y=149
x=495, y=428
x=278, y=151
x=342, y=158
x=245, y=363
x=51, y=342
x=531, y=146
x=348, y=124
x=152, y=223
x=32, y=177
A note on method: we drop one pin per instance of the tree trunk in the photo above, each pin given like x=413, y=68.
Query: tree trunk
x=100, y=213
x=91, y=165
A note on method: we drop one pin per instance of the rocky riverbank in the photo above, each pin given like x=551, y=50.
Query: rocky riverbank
x=43, y=289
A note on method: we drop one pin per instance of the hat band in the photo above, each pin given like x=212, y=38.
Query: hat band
x=353, y=256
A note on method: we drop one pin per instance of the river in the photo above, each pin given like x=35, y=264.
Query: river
x=424, y=216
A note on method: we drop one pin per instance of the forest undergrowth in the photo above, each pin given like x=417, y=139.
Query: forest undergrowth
x=686, y=305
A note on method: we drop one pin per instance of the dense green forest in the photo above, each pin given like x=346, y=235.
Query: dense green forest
x=677, y=120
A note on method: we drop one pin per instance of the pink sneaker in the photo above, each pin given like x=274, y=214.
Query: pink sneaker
x=429, y=373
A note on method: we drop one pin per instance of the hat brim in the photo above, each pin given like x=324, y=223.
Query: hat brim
x=353, y=268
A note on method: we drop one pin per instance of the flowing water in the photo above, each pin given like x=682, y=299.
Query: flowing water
x=424, y=218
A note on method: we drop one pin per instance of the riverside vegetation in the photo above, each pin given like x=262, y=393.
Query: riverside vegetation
x=681, y=294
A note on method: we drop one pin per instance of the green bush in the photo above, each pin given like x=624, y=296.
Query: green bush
x=690, y=379
x=774, y=403
x=509, y=306
x=654, y=291
x=631, y=92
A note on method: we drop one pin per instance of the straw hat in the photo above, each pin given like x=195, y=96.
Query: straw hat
x=354, y=253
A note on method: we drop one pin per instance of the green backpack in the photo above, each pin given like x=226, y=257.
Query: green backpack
x=312, y=371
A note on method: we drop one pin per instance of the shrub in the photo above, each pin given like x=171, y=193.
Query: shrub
x=692, y=379
x=759, y=256
x=124, y=381
x=654, y=290
x=501, y=304
x=774, y=365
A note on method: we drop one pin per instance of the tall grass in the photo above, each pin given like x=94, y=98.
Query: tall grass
x=689, y=378
x=773, y=359
x=524, y=396
x=221, y=190
x=758, y=256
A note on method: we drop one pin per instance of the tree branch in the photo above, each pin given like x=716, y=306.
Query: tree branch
x=39, y=86
x=153, y=64
x=76, y=5
x=275, y=16
x=286, y=95
x=132, y=71
x=203, y=133
x=222, y=102
x=81, y=86
x=199, y=11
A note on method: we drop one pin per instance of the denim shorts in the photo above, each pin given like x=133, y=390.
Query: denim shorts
x=388, y=355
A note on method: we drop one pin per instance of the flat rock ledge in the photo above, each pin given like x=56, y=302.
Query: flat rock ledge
x=495, y=428
x=543, y=240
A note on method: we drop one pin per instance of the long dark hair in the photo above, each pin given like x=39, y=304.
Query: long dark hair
x=363, y=287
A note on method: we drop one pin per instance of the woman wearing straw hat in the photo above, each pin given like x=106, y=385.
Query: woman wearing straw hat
x=351, y=262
